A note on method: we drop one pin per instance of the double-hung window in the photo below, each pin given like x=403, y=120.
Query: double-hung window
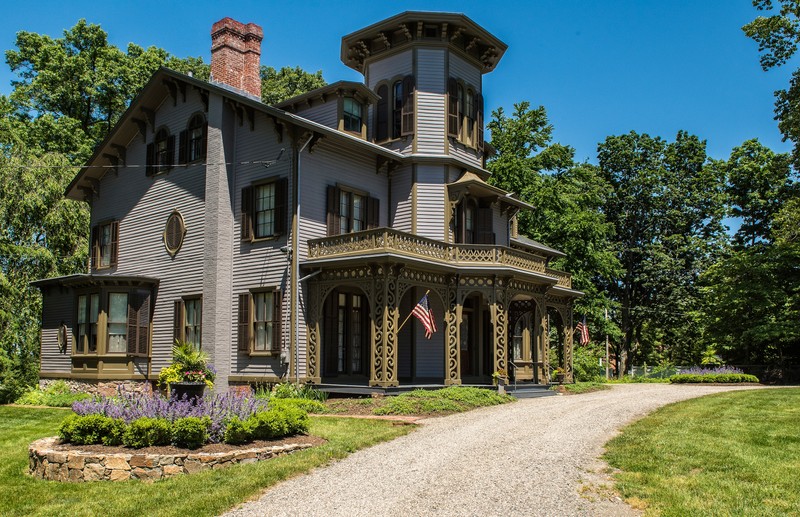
x=188, y=320
x=193, y=140
x=259, y=328
x=105, y=244
x=117, y=323
x=350, y=210
x=264, y=207
x=351, y=114
x=88, y=312
x=160, y=153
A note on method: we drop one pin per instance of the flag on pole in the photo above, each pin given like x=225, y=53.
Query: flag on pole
x=584, y=330
x=424, y=314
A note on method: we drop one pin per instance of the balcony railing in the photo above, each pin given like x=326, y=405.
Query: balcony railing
x=400, y=243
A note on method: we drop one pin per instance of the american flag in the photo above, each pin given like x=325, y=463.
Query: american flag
x=424, y=314
x=584, y=330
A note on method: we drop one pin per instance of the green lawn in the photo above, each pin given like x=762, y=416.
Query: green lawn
x=734, y=453
x=204, y=493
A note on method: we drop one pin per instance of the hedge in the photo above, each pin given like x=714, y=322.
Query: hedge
x=724, y=378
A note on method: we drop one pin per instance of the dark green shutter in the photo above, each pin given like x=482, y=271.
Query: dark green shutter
x=243, y=334
x=247, y=214
x=281, y=198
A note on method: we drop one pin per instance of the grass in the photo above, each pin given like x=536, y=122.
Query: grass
x=583, y=387
x=454, y=399
x=204, y=493
x=728, y=454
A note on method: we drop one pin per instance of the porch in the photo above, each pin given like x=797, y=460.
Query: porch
x=367, y=283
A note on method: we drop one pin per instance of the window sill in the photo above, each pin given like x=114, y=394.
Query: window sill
x=260, y=353
x=113, y=355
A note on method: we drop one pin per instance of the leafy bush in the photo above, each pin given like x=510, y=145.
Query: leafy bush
x=289, y=390
x=586, y=364
x=190, y=432
x=726, y=378
x=146, y=432
x=92, y=429
x=701, y=370
x=307, y=405
x=188, y=364
x=56, y=394
x=238, y=432
x=278, y=422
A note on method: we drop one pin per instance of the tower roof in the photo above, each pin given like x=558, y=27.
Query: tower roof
x=454, y=30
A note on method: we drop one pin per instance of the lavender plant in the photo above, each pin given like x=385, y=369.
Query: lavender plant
x=129, y=406
x=701, y=370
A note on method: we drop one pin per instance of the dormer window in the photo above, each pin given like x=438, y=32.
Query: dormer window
x=351, y=114
x=193, y=140
x=473, y=223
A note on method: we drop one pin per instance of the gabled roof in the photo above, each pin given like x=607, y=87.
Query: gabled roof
x=331, y=90
x=165, y=82
x=472, y=183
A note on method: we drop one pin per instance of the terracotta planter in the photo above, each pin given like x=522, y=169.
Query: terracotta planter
x=192, y=390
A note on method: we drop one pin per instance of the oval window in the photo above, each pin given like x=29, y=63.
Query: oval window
x=174, y=232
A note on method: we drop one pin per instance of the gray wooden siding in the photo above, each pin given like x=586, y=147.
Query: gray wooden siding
x=58, y=305
x=500, y=222
x=325, y=113
x=142, y=205
x=397, y=65
x=260, y=263
x=430, y=99
x=401, y=208
x=467, y=72
x=430, y=201
x=429, y=352
x=405, y=338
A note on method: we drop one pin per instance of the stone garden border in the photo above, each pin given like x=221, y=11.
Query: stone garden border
x=78, y=466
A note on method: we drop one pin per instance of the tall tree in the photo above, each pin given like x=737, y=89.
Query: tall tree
x=666, y=208
x=568, y=200
x=777, y=36
x=279, y=85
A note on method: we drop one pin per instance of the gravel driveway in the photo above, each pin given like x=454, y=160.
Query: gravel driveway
x=533, y=457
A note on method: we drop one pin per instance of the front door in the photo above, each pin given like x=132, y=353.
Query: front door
x=346, y=344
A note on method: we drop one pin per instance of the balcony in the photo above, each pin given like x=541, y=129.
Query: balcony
x=394, y=242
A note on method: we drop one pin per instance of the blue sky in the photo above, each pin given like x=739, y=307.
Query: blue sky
x=600, y=68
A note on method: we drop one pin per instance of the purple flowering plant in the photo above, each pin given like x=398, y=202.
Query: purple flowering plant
x=702, y=370
x=129, y=406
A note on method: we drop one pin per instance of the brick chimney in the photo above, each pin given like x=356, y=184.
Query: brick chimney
x=236, y=55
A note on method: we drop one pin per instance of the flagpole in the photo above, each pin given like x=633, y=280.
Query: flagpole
x=410, y=313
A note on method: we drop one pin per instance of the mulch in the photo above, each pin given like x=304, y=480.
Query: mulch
x=169, y=450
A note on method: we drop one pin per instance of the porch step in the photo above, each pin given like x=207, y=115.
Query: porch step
x=529, y=391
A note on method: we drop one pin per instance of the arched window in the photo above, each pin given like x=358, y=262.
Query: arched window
x=397, y=109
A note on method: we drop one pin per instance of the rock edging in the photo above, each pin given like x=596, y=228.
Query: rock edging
x=78, y=466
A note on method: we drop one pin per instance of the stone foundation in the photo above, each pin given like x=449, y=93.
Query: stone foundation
x=104, y=388
x=77, y=466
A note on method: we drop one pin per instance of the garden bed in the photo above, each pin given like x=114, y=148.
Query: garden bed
x=51, y=460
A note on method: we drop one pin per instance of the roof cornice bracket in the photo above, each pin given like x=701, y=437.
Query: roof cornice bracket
x=278, y=126
x=141, y=125
x=173, y=90
x=150, y=115
x=122, y=152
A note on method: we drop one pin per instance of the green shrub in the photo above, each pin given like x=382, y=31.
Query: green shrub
x=307, y=405
x=190, y=432
x=92, y=429
x=451, y=399
x=56, y=394
x=237, y=431
x=288, y=390
x=726, y=378
x=278, y=422
x=146, y=432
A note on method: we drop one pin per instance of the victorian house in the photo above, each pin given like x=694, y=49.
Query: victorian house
x=292, y=241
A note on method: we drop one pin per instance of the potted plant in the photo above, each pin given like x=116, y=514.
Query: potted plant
x=189, y=374
x=500, y=377
x=559, y=374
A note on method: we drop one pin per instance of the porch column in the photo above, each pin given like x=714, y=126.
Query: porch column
x=383, y=370
x=499, y=315
x=452, y=318
x=313, y=354
x=543, y=323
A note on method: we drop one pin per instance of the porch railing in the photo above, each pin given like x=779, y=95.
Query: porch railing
x=402, y=243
